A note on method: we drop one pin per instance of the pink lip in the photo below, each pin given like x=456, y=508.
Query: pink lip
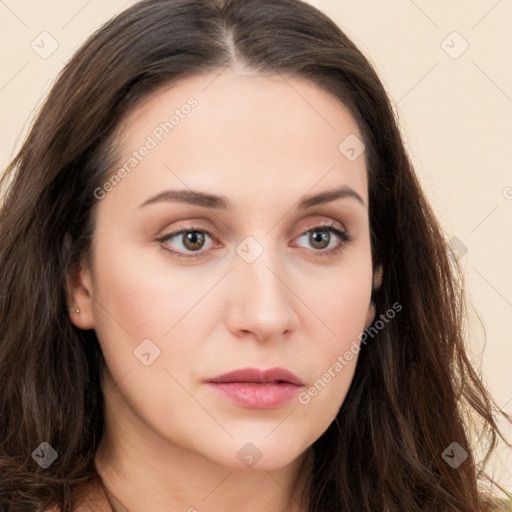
x=257, y=389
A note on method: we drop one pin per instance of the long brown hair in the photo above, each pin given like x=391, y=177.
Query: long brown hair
x=414, y=389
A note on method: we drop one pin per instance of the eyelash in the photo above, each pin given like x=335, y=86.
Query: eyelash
x=331, y=228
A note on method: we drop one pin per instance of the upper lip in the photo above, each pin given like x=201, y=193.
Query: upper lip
x=260, y=376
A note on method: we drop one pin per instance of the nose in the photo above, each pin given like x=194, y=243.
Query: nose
x=261, y=300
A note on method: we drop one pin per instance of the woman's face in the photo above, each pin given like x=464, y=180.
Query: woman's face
x=272, y=286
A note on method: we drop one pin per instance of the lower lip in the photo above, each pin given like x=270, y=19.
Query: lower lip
x=257, y=396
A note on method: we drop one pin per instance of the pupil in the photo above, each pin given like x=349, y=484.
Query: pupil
x=323, y=237
x=194, y=238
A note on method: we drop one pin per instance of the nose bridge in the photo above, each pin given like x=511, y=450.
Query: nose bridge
x=258, y=265
x=261, y=302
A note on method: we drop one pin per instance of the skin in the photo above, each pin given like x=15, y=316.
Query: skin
x=263, y=142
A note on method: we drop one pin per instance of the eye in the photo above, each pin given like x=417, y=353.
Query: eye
x=192, y=240
x=320, y=237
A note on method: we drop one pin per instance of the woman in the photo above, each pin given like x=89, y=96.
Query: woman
x=222, y=285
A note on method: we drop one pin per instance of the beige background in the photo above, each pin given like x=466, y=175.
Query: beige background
x=447, y=68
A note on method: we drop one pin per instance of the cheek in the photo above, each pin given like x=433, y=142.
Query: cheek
x=338, y=303
x=333, y=363
x=130, y=305
x=340, y=309
x=138, y=300
x=323, y=396
x=131, y=291
x=338, y=295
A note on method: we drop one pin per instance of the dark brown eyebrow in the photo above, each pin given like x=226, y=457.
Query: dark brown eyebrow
x=190, y=197
x=197, y=198
x=328, y=196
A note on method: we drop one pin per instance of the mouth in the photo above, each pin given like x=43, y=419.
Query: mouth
x=256, y=389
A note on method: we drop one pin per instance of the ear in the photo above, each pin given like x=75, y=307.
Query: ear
x=80, y=296
x=377, y=281
x=377, y=277
x=370, y=315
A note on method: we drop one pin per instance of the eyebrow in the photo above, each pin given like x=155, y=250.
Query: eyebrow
x=197, y=198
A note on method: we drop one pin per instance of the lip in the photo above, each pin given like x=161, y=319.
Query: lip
x=271, y=375
x=257, y=389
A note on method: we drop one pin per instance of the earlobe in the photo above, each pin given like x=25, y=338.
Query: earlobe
x=80, y=298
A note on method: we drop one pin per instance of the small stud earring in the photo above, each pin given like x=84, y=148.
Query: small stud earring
x=77, y=310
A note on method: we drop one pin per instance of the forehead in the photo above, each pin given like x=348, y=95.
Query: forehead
x=241, y=134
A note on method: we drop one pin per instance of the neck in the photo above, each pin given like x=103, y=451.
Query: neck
x=114, y=503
